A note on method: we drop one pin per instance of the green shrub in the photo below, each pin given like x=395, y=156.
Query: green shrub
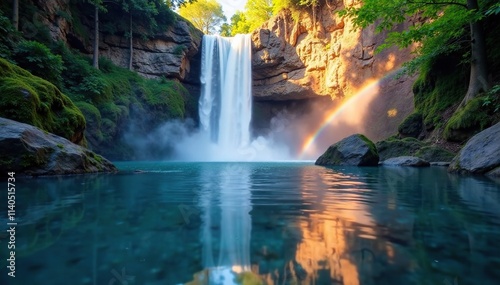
x=39, y=60
x=106, y=65
x=8, y=37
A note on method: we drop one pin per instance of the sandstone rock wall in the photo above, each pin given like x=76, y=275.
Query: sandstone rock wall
x=319, y=54
x=172, y=53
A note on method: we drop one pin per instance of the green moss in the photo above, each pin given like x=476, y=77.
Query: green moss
x=249, y=278
x=465, y=122
x=371, y=145
x=35, y=101
x=440, y=85
x=37, y=159
x=394, y=147
x=433, y=153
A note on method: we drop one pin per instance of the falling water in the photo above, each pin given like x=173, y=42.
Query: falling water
x=225, y=104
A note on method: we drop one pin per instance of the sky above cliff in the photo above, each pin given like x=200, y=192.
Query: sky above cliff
x=231, y=6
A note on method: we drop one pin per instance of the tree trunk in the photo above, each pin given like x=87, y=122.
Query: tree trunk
x=130, y=43
x=478, y=80
x=95, y=59
x=15, y=14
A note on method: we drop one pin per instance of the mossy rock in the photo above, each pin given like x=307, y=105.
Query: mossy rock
x=354, y=150
x=29, y=150
x=398, y=147
x=35, y=101
x=412, y=126
x=434, y=154
x=466, y=122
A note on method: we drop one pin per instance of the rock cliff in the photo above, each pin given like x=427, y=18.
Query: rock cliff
x=319, y=53
x=169, y=54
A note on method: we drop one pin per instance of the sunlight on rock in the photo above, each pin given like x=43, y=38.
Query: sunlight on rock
x=392, y=113
x=391, y=62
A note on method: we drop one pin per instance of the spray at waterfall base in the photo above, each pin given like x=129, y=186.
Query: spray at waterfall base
x=302, y=129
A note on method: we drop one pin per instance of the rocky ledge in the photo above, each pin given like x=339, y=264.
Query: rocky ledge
x=28, y=150
x=405, y=161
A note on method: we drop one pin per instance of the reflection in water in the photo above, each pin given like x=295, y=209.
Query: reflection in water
x=287, y=223
x=232, y=184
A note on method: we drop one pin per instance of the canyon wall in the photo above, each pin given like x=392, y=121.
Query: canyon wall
x=319, y=53
x=172, y=53
x=318, y=56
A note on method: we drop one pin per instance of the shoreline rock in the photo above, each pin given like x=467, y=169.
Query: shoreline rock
x=355, y=150
x=28, y=150
x=412, y=161
x=480, y=155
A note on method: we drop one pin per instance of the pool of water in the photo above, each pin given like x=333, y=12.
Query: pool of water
x=286, y=223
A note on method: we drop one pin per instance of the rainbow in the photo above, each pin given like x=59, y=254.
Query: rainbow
x=333, y=114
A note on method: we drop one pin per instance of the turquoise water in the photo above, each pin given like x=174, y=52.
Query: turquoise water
x=288, y=223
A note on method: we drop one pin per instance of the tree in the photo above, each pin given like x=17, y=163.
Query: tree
x=257, y=12
x=225, y=30
x=98, y=6
x=206, y=15
x=15, y=14
x=445, y=22
x=239, y=24
x=142, y=11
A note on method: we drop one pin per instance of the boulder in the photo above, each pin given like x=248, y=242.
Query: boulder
x=406, y=161
x=356, y=150
x=28, y=150
x=412, y=126
x=481, y=154
x=494, y=173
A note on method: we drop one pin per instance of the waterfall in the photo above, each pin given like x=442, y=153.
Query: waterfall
x=225, y=106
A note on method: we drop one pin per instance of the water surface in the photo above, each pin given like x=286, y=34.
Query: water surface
x=289, y=223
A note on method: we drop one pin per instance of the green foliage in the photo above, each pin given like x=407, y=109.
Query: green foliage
x=239, y=24
x=8, y=37
x=35, y=101
x=279, y=5
x=206, y=15
x=492, y=99
x=493, y=10
x=442, y=31
x=39, y=60
x=257, y=12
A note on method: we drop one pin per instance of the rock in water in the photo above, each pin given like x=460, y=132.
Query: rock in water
x=356, y=150
x=26, y=149
x=481, y=154
x=406, y=161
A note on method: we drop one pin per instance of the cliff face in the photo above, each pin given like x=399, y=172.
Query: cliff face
x=320, y=54
x=171, y=54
